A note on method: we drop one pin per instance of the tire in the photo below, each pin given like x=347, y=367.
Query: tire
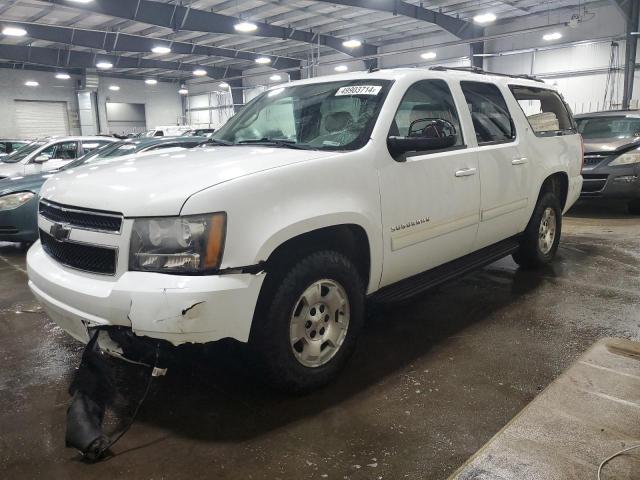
x=301, y=303
x=634, y=207
x=534, y=251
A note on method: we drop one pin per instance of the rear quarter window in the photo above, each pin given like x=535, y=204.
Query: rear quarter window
x=546, y=111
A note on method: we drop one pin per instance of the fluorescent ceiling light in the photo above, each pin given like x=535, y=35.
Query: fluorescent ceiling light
x=183, y=91
x=552, y=36
x=341, y=68
x=199, y=72
x=80, y=1
x=429, y=55
x=275, y=78
x=104, y=65
x=114, y=88
x=485, y=18
x=63, y=76
x=263, y=60
x=31, y=83
x=223, y=85
x=353, y=43
x=14, y=31
x=245, y=27
x=161, y=49
x=151, y=81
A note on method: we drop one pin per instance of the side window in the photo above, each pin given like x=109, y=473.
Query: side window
x=545, y=110
x=3, y=148
x=425, y=101
x=65, y=151
x=489, y=113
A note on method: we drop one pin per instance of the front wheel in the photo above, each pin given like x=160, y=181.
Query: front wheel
x=540, y=239
x=303, y=335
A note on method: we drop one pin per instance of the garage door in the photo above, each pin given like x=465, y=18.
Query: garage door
x=41, y=119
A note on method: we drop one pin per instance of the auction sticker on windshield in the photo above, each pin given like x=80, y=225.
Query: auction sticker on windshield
x=359, y=90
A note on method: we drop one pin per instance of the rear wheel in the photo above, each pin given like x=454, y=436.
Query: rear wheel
x=306, y=331
x=540, y=240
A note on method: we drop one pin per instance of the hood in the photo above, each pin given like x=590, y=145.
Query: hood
x=31, y=183
x=159, y=184
x=609, y=145
x=10, y=169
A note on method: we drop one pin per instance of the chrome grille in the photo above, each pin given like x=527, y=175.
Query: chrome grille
x=89, y=258
x=96, y=220
x=593, y=183
x=592, y=159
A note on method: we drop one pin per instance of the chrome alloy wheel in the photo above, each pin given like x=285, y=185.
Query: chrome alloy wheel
x=319, y=323
x=547, y=230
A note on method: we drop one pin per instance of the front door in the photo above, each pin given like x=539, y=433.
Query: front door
x=59, y=154
x=430, y=199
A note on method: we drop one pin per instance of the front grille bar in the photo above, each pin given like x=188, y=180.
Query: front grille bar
x=81, y=256
x=84, y=219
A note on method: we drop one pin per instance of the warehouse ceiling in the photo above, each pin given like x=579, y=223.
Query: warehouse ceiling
x=202, y=34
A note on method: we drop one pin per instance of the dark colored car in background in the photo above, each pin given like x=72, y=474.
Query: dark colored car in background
x=19, y=195
x=611, y=156
x=10, y=146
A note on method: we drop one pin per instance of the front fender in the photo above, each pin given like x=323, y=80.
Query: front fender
x=266, y=209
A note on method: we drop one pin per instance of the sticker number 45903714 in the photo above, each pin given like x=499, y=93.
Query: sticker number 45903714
x=359, y=90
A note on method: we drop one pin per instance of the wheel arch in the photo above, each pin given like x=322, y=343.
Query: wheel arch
x=350, y=239
x=558, y=183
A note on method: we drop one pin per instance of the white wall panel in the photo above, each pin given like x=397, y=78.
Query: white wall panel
x=12, y=88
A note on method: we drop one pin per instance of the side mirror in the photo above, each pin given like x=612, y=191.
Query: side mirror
x=41, y=159
x=424, y=134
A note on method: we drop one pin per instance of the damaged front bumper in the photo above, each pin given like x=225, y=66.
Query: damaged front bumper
x=178, y=309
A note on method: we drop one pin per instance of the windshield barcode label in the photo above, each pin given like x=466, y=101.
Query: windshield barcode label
x=359, y=90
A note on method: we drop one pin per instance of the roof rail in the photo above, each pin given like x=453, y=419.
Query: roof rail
x=480, y=71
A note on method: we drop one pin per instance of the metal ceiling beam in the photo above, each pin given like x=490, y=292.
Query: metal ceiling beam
x=177, y=17
x=123, y=42
x=460, y=28
x=54, y=57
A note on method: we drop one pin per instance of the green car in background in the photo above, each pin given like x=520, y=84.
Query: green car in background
x=19, y=195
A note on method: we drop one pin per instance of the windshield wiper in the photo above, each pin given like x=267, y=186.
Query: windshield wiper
x=215, y=141
x=279, y=142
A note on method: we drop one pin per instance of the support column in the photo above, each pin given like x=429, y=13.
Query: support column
x=630, y=52
x=476, y=48
x=237, y=94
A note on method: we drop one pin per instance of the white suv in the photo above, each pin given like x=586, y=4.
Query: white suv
x=318, y=194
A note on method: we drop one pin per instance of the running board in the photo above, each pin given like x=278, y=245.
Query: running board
x=421, y=282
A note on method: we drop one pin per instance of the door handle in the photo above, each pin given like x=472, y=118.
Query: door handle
x=465, y=172
x=519, y=161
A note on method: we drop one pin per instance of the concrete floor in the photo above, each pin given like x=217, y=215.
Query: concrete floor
x=430, y=383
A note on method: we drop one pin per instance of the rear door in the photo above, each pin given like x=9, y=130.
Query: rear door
x=430, y=199
x=504, y=169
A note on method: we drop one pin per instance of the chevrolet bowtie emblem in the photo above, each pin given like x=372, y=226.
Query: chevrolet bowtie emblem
x=60, y=231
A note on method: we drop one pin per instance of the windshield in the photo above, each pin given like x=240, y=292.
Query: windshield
x=609, y=127
x=318, y=116
x=22, y=153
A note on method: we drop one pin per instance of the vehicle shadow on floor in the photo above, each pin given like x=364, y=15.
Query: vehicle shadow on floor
x=210, y=394
x=601, y=210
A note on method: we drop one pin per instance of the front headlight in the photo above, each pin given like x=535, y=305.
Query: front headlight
x=190, y=244
x=14, y=200
x=627, y=158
